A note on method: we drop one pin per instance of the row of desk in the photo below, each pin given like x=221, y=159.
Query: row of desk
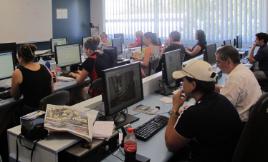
x=52, y=147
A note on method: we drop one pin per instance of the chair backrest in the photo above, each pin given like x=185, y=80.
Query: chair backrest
x=253, y=142
x=96, y=88
x=153, y=64
x=61, y=97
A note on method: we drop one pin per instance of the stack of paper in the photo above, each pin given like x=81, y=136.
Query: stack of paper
x=103, y=129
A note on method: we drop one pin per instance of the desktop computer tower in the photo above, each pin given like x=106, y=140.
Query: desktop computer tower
x=98, y=150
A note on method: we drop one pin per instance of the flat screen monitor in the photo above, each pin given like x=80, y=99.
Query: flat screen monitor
x=84, y=39
x=119, y=35
x=239, y=41
x=6, y=64
x=109, y=57
x=209, y=54
x=10, y=47
x=117, y=43
x=67, y=55
x=56, y=42
x=172, y=62
x=227, y=42
x=122, y=88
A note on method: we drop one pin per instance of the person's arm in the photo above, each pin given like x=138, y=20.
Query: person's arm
x=195, y=51
x=80, y=76
x=146, y=57
x=15, y=83
x=251, y=53
x=175, y=141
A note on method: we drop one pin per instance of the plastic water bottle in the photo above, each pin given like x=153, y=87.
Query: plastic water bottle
x=130, y=146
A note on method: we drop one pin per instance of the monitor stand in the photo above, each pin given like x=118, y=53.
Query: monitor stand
x=165, y=89
x=120, y=119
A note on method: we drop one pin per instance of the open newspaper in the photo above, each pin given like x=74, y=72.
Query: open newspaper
x=63, y=118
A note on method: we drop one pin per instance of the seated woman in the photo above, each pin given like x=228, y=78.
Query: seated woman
x=30, y=79
x=104, y=40
x=198, y=48
x=151, y=50
x=89, y=68
x=174, y=43
x=138, y=40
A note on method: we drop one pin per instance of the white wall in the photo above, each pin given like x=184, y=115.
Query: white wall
x=25, y=20
x=97, y=13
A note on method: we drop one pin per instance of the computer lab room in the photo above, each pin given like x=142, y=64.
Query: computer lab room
x=133, y=81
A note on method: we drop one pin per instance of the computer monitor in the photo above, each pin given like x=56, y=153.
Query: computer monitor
x=119, y=35
x=10, y=47
x=109, y=56
x=122, y=88
x=6, y=65
x=117, y=43
x=238, y=41
x=57, y=41
x=84, y=39
x=67, y=55
x=209, y=54
x=227, y=42
x=172, y=62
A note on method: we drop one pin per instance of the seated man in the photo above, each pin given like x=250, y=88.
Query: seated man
x=261, y=72
x=241, y=88
x=212, y=124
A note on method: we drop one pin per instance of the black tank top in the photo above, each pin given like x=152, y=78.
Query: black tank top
x=35, y=85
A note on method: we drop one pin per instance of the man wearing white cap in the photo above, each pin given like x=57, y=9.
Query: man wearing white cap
x=241, y=88
x=212, y=123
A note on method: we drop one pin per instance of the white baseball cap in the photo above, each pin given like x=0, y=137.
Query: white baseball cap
x=196, y=69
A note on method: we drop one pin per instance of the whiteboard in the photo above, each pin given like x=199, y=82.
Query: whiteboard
x=25, y=20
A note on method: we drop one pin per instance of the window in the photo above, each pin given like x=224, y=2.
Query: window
x=221, y=20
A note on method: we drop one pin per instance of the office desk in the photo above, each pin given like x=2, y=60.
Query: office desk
x=154, y=148
x=50, y=148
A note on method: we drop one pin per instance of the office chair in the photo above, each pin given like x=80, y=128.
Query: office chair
x=153, y=64
x=253, y=142
x=96, y=88
x=61, y=97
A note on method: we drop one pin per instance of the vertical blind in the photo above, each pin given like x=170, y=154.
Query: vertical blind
x=220, y=19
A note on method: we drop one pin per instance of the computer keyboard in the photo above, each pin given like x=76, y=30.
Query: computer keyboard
x=151, y=127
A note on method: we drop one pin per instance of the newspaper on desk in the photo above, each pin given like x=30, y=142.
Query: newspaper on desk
x=63, y=118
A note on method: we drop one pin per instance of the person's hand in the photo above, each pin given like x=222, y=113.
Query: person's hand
x=178, y=100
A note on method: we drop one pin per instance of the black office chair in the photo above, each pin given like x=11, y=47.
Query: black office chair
x=153, y=64
x=253, y=142
x=96, y=88
x=61, y=97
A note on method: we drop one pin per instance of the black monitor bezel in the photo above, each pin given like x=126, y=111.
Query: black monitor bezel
x=120, y=35
x=107, y=107
x=56, y=54
x=10, y=51
x=121, y=48
x=165, y=67
x=55, y=46
x=206, y=56
x=239, y=41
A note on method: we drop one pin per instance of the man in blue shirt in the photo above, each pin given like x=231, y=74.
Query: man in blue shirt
x=260, y=72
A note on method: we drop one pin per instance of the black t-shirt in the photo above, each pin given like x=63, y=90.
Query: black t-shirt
x=35, y=85
x=202, y=44
x=214, y=124
x=88, y=64
x=262, y=58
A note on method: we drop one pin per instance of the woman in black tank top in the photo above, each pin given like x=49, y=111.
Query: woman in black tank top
x=30, y=79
